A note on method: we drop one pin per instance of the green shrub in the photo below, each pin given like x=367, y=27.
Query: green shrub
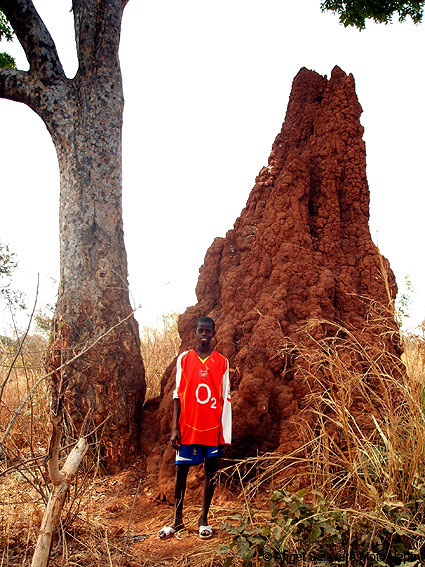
x=314, y=532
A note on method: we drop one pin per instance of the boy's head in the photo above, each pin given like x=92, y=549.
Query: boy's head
x=204, y=332
x=205, y=321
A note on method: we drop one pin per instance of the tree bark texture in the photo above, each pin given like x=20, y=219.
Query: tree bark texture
x=84, y=118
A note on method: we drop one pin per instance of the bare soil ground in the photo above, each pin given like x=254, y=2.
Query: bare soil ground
x=127, y=517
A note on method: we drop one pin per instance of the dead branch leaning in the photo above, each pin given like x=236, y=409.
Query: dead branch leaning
x=61, y=481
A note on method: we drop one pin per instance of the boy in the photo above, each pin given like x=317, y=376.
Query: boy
x=202, y=421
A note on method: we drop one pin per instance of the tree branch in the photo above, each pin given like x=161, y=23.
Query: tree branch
x=14, y=85
x=97, y=33
x=56, y=501
x=53, y=463
x=34, y=37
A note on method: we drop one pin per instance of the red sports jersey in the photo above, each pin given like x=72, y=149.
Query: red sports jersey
x=204, y=391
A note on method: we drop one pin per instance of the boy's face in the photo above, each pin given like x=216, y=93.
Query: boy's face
x=204, y=333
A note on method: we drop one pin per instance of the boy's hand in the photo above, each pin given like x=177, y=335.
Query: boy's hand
x=175, y=438
x=223, y=448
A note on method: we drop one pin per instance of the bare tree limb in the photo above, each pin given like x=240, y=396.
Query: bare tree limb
x=16, y=466
x=56, y=501
x=34, y=37
x=53, y=464
x=14, y=85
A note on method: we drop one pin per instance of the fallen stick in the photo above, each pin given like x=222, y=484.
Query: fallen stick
x=61, y=481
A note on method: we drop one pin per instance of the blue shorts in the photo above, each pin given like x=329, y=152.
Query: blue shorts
x=196, y=454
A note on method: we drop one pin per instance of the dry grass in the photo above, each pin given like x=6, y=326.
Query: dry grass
x=367, y=437
x=364, y=431
x=102, y=523
x=159, y=347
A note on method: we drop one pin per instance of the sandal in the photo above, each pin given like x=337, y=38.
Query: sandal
x=166, y=532
x=205, y=532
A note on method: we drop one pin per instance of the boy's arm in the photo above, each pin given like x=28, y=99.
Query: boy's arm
x=226, y=416
x=175, y=431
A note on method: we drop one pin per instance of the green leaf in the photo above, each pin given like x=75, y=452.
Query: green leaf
x=294, y=509
x=277, y=533
x=245, y=551
x=356, y=12
x=6, y=31
x=257, y=541
x=327, y=528
x=276, y=496
x=236, y=529
x=301, y=492
x=224, y=550
x=7, y=61
x=274, y=510
x=314, y=534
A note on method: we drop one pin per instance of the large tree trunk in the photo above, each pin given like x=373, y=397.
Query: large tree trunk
x=93, y=292
x=84, y=118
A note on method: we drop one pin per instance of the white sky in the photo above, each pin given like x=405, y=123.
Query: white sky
x=206, y=85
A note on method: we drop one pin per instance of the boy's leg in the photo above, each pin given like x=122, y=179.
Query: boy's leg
x=211, y=467
x=179, y=491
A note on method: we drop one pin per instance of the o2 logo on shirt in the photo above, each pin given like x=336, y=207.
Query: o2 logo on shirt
x=203, y=397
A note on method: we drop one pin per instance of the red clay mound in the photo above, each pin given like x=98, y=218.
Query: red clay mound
x=300, y=250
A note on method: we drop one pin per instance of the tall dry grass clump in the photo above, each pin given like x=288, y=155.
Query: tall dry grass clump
x=159, y=346
x=365, y=437
x=23, y=482
x=363, y=458
x=365, y=421
x=82, y=538
x=20, y=367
